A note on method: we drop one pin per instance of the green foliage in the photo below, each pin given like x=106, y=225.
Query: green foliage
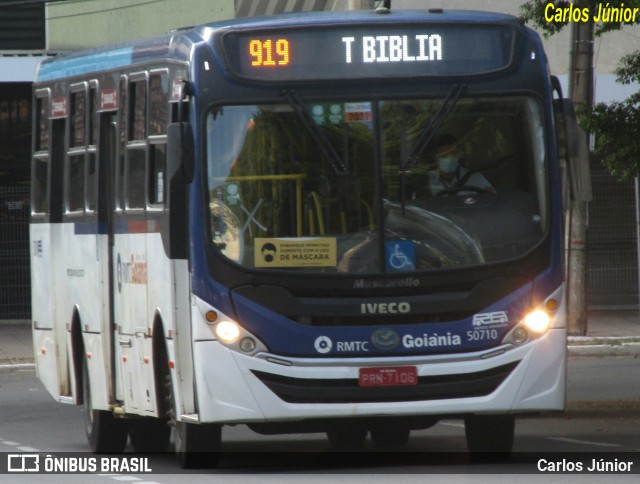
x=617, y=141
x=533, y=11
x=615, y=125
x=629, y=69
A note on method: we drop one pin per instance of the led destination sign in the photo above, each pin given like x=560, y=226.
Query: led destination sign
x=394, y=48
x=368, y=52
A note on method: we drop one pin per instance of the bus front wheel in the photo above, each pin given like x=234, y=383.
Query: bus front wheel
x=196, y=445
x=490, y=436
x=105, y=433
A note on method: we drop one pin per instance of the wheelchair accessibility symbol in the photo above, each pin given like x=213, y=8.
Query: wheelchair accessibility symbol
x=400, y=256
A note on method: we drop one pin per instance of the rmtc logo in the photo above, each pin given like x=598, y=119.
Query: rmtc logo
x=497, y=318
x=133, y=272
x=324, y=345
x=385, y=308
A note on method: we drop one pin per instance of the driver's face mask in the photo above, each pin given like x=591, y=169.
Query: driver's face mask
x=448, y=164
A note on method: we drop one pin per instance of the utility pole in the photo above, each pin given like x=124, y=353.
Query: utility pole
x=581, y=93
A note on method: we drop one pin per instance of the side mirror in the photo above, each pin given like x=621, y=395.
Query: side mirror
x=574, y=147
x=180, y=171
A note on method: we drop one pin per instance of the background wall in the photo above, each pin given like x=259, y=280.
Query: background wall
x=87, y=23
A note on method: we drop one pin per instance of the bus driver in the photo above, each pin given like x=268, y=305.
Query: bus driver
x=450, y=178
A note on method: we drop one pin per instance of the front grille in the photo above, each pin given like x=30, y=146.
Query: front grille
x=382, y=319
x=314, y=390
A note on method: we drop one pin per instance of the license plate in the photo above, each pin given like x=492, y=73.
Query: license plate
x=388, y=376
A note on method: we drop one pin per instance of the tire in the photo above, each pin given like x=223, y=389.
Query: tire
x=386, y=436
x=347, y=437
x=105, y=433
x=490, y=437
x=197, y=446
x=149, y=434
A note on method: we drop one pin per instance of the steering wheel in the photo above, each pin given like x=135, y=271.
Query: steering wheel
x=456, y=190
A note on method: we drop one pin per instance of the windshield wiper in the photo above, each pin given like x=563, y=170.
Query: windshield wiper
x=428, y=132
x=317, y=134
x=435, y=122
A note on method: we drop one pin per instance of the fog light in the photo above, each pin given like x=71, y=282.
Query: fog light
x=537, y=321
x=227, y=331
x=247, y=345
x=520, y=335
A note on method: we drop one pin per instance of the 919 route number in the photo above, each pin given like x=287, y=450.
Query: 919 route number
x=269, y=53
x=482, y=334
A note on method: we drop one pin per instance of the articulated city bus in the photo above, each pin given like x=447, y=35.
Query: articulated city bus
x=348, y=223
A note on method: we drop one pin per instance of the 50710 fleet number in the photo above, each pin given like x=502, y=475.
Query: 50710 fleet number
x=482, y=334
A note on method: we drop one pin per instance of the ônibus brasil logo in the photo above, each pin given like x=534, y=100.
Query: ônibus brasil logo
x=76, y=464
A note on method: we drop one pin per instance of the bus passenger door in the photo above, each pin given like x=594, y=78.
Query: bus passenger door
x=129, y=278
x=49, y=329
x=107, y=158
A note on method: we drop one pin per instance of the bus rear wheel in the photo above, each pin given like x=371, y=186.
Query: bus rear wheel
x=490, y=436
x=105, y=433
x=197, y=446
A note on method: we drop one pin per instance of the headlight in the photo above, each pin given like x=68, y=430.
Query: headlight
x=227, y=331
x=532, y=326
x=537, y=321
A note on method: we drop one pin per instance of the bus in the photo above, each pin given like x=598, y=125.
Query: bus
x=238, y=223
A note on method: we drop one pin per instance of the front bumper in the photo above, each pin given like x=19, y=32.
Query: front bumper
x=234, y=388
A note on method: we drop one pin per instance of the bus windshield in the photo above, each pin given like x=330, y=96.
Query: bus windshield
x=357, y=186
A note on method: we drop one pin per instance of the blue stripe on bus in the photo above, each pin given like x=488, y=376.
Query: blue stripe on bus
x=120, y=227
x=77, y=65
x=89, y=228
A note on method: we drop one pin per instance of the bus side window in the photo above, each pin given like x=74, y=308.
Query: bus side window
x=77, y=119
x=81, y=155
x=157, y=174
x=75, y=197
x=40, y=185
x=41, y=137
x=136, y=162
x=158, y=107
x=158, y=122
x=40, y=176
x=122, y=143
x=138, y=110
x=76, y=154
x=136, y=156
x=92, y=132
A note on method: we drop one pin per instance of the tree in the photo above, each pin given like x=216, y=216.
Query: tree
x=615, y=125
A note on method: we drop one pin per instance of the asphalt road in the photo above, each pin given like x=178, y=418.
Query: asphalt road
x=603, y=417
